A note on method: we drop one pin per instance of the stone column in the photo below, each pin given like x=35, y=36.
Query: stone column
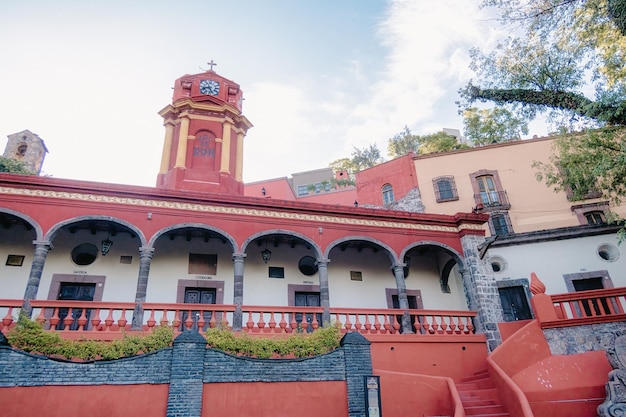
x=238, y=261
x=184, y=398
x=145, y=259
x=32, y=287
x=403, y=300
x=181, y=151
x=358, y=365
x=481, y=291
x=322, y=270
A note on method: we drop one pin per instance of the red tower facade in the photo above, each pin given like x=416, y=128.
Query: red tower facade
x=204, y=134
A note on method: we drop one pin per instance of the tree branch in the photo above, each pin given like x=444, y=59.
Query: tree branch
x=564, y=100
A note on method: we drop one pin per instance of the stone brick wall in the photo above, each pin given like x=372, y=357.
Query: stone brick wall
x=23, y=369
x=188, y=365
x=481, y=291
x=220, y=367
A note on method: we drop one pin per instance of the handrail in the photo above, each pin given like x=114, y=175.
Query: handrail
x=77, y=315
x=514, y=395
x=586, y=307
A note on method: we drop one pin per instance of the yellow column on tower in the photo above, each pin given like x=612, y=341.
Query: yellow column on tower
x=239, y=161
x=225, y=162
x=181, y=152
x=167, y=147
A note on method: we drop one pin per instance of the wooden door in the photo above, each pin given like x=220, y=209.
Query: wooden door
x=514, y=303
x=74, y=291
x=308, y=299
x=592, y=284
x=198, y=296
x=412, y=306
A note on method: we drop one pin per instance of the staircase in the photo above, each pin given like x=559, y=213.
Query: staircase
x=480, y=397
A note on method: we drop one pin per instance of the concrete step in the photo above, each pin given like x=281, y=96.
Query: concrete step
x=480, y=397
x=482, y=394
x=484, y=374
x=484, y=410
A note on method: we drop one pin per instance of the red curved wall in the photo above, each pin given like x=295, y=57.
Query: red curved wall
x=445, y=356
x=554, y=385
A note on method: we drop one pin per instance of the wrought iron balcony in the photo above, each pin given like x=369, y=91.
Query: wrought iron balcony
x=492, y=200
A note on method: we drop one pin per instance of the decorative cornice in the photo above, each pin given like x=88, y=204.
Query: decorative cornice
x=236, y=211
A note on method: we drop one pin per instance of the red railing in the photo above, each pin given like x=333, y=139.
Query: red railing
x=586, y=307
x=88, y=316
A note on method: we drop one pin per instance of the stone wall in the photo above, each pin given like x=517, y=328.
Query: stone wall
x=188, y=365
x=580, y=339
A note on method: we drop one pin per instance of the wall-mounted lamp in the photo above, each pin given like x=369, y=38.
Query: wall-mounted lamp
x=149, y=216
x=263, y=191
x=266, y=254
x=106, y=245
x=479, y=207
x=356, y=203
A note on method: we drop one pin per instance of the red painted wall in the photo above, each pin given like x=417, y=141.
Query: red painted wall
x=254, y=399
x=277, y=189
x=405, y=394
x=399, y=172
x=456, y=359
x=343, y=196
x=92, y=401
x=240, y=227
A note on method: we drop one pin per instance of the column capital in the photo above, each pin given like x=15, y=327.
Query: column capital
x=398, y=266
x=146, y=252
x=322, y=261
x=44, y=244
x=239, y=256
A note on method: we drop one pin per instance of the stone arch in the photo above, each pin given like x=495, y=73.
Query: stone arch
x=202, y=226
x=269, y=232
x=32, y=222
x=451, y=251
x=457, y=259
x=57, y=227
x=388, y=250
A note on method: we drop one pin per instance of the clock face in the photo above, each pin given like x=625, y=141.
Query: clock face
x=209, y=87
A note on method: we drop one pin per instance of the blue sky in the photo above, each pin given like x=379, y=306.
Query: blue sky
x=319, y=77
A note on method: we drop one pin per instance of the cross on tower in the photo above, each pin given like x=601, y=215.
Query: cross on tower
x=211, y=64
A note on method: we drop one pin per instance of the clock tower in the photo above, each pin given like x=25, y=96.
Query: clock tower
x=204, y=132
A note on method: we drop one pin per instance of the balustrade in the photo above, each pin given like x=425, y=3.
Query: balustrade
x=87, y=316
x=592, y=306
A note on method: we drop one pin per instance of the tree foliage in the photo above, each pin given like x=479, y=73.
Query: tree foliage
x=361, y=159
x=570, y=59
x=402, y=143
x=405, y=142
x=486, y=126
x=588, y=163
x=13, y=166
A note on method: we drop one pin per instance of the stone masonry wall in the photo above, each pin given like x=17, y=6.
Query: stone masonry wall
x=580, y=339
x=24, y=369
x=481, y=291
x=188, y=364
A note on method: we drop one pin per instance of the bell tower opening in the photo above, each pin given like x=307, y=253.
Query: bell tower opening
x=204, y=134
x=28, y=148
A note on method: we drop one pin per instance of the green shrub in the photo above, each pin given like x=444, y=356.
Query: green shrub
x=30, y=336
x=300, y=345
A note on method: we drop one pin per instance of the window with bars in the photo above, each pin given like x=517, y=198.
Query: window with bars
x=387, y=194
x=445, y=189
x=500, y=224
x=595, y=217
